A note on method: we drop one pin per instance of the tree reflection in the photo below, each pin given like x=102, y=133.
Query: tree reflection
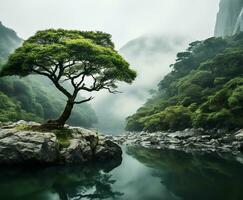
x=91, y=184
x=194, y=176
x=68, y=183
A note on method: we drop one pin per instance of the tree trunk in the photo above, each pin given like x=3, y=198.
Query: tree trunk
x=66, y=113
x=60, y=122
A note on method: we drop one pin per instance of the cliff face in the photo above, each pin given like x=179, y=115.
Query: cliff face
x=8, y=41
x=229, y=18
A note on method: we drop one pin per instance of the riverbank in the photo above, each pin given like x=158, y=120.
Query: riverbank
x=189, y=140
x=25, y=143
x=21, y=143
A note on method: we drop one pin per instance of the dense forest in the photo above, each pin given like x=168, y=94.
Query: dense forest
x=204, y=89
x=33, y=98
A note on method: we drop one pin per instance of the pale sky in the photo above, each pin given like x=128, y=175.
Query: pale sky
x=124, y=19
x=169, y=20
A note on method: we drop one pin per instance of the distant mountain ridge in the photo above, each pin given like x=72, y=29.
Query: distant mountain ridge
x=150, y=55
x=203, y=90
x=8, y=41
x=153, y=44
x=229, y=18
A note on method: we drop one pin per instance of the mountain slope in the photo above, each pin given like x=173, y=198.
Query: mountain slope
x=8, y=41
x=204, y=89
x=150, y=56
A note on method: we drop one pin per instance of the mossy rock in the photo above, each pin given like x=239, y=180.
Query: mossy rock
x=63, y=134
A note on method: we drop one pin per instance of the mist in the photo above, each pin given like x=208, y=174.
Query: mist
x=124, y=19
x=147, y=33
x=150, y=55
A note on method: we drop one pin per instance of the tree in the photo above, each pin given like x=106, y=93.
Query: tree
x=86, y=60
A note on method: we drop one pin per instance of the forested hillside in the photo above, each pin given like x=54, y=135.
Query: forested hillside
x=204, y=89
x=146, y=54
x=33, y=98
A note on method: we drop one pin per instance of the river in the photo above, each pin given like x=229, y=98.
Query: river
x=144, y=174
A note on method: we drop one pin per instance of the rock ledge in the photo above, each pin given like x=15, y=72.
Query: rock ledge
x=22, y=145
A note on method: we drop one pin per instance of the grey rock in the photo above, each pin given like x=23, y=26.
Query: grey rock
x=107, y=150
x=229, y=18
x=206, y=137
x=154, y=141
x=73, y=154
x=27, y=146
x=239, y=135
x=189, y=140
x=33, y=147
x=240, y=147
x=183, y=134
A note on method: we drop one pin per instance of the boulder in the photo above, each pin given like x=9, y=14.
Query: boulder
x=73, y=153
x=27, y=147
x=182, y=134
x=107, y=150
x=240, y=147
x=188, y=140
x=239, y=135
x=21, y=144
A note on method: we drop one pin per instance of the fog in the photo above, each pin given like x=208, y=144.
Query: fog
x=124, y=19
x=148, y=33
x=150, y=55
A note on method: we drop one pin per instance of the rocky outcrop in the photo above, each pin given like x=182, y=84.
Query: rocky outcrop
x=229, y=18
x=20, y=143
x=189, y=140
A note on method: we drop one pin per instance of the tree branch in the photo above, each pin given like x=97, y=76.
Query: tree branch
x=69, y=65
x=62, y=89
x=44, y=68
x=42, y=73
x=112, y=91
x=81, y=81
x=83, y=101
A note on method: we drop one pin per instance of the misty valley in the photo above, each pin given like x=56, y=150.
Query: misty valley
x=119, y=105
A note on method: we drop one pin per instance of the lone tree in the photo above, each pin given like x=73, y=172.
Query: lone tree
x=87, y=60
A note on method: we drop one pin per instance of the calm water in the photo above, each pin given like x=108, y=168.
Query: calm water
x=142, y=175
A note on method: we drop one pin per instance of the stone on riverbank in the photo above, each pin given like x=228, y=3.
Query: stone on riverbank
x=189, y=140
x=19, y=144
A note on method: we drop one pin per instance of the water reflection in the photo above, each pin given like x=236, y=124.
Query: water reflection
x=57, y=183
x=143, y=175
x=194, y=176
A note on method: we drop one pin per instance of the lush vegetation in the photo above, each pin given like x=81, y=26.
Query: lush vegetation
x=33, y=98
x=83, y=61
x=204, y=89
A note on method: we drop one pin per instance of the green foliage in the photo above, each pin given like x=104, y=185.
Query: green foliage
x=205, y=88
x=34, y=98
x=39, y=102
x=68, y=59
x=51, y=50
x=168, y=119
x=236, y=98
x=64, y=136
x=11, y=110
